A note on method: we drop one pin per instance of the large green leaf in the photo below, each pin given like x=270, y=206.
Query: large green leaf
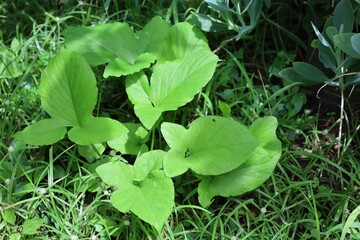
x=46, y=131
x=117, y=44
x=253, y=172
x=68, y=88
x=68, y=94
x=133, y=142
x=172, y=84
x=211, y=146
x=142, y=189
x=344, y=16
x=310, y=73
x=182, y=40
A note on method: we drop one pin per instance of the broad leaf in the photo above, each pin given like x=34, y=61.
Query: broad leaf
x=355, y=42
x=133, y=142
x=172, y=85
x=68, y=88
x=46, y=131
x=344, y=16
x=182, y=40
x=211, y=146
x=344, y=42
x=68, y=94
x=31, y=226
x=310, y=72
x=253, y=172
x=117, y=44
x=96, y=130
x=142, y=189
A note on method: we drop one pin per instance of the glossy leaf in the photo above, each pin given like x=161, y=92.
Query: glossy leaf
x=142, y=189
x=253, y=172
x=211, y=146
x=172, y=85
x=133, y=142
x=344, y=16
x=344, y=42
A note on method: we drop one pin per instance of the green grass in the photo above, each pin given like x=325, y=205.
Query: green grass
x=310, y=195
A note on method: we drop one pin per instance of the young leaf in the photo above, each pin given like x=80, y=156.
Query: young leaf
x=211, y=146
x=68, y=94
x=172, y=85
x=344, y=16
x=253, y=172
x=142, y=189
x=133, y=142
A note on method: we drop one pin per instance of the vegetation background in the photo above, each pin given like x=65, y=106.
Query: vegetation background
x=313, y=192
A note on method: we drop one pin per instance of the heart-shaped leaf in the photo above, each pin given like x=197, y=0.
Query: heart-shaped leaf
x=211, y=146
x=172, y=85
x=142, y=189
x=253, y=172
x=68, y=93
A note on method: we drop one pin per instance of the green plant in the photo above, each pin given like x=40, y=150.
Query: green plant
x=217, y=150
x=338, y=50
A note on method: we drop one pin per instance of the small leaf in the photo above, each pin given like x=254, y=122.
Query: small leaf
x=219, y=6
x=31, y=226
x=118, y=67
x=96, y=130
x=9, y=216
x=8, y=65
x=344, y=42
x=46, y=131
x=225, y=109
x=310, y=72
x=207, y=23
x=133, y=142
x=321, y=38
x=344, y=16
x=211, y=146
x=15, y=236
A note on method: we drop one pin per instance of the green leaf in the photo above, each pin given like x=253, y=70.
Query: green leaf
x=31, y=226
x=321, y=38
x=68, y=94
x=116, y=43
x=133, y=142
x=91, y=152
x=172, y=85
x=344, y=16
x=9, y=68
x=142, y=189
x=46, y=131
x=355, y=42
x=343, y=41
x=118, y=67
x=310, y=73
x=9, y=216
x=253, y=172
x=208, y=24
x=225, y=109
x=211, y=146
x=15, y=236
x=65, y=83
x=182, y=40
x=96, y=130
x=291, y=76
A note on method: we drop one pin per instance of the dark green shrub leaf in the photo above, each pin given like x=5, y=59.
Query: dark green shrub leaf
x=207, y=23
x=344, y=42
x=310, y=73
x=211, y=146
x=355, y=42
x=253, y=172
x=344, y=16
